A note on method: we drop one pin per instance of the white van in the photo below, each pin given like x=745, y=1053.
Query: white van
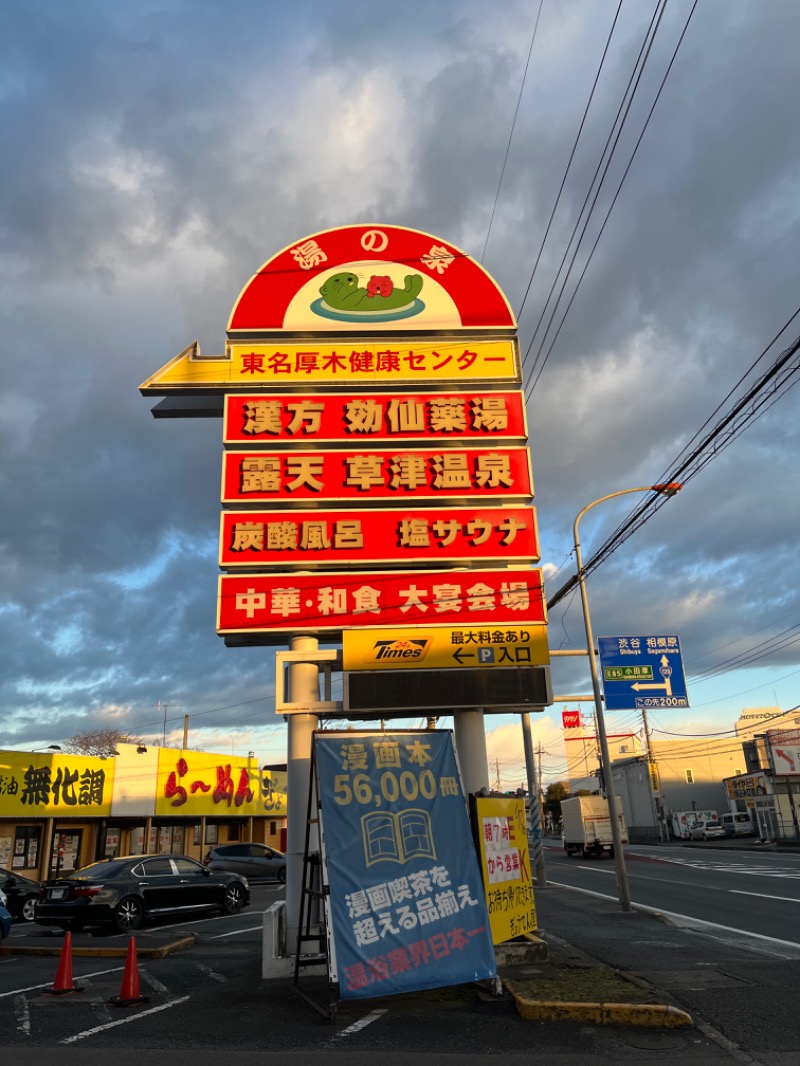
x=736, y=825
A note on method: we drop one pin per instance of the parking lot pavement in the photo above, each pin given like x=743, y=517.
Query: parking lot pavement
x=151, y=943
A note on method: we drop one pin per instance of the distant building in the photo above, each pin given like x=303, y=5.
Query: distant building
x=688, y=775
x=770, y=789
x=583, y=761
x=754, y=720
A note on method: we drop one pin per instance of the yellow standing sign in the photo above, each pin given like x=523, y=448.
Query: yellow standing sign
x=505, y=862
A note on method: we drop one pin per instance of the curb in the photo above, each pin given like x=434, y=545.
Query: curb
x=181, y=944
x=653, y=1015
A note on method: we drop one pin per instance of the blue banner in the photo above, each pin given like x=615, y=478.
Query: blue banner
x=407, y=900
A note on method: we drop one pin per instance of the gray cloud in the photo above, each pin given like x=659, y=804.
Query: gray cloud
x=156, y=155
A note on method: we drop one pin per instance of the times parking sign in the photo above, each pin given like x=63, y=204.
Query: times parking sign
x=640, y=673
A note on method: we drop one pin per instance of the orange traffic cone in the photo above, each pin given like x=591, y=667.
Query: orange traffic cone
x=129, y=993
x=63, y=984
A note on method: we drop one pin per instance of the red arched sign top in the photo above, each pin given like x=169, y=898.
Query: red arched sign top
x=370, y=277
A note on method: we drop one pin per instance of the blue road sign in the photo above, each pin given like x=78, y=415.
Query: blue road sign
x=642, y=672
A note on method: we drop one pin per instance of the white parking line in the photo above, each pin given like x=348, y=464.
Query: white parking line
x=23, y=1014
x=236, y=932
x=154, y=983
x=356, y=1027
x=47, y=984
x=122, y=1021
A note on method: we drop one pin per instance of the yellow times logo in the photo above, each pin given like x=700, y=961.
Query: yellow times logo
x=402, y=650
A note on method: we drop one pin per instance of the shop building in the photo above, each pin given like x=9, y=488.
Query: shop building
x=59, y=812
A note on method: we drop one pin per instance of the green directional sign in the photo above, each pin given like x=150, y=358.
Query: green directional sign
x=620, y=673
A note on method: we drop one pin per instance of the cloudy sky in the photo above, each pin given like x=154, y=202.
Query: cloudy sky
x=157, y=152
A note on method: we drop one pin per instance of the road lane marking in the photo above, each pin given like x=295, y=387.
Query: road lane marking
x=763, y=895
x=590, y=870
x=655, y=880
x=685, y=918
x=122, y=1021
x=748, y=869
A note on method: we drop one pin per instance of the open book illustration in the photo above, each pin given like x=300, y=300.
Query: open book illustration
x=397, y=837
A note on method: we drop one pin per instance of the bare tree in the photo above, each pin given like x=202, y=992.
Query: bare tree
x=98, y=742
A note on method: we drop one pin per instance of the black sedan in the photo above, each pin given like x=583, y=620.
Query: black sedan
x=125, y=892
x=22, y=894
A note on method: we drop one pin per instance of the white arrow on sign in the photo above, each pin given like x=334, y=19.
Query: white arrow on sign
x=665, y=671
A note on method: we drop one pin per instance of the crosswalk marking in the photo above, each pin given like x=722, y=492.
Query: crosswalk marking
x=738, y=868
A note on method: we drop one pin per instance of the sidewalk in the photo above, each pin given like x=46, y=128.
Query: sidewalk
x=743, y=1000
x=761, y=847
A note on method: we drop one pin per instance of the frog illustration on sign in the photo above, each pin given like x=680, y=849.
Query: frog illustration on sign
x=345, y=298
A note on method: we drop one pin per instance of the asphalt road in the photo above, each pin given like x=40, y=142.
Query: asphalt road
x=210, y=1001
x=746, y=891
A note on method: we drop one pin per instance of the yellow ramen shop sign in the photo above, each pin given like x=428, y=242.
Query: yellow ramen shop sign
x=34, y=785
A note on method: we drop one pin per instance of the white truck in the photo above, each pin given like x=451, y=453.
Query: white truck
x=586, y=826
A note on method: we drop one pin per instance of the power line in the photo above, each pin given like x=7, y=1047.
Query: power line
x=511, y=133
x=569, y=163
x=732, y=425
x=631, y=87
x=610, y=209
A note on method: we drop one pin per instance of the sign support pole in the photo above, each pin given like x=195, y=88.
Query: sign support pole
x=470, y=737
x=303, y=688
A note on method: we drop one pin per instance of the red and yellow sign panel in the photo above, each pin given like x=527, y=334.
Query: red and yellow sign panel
x=367, y=475
x=203, y=784
x=370, y=278
x=410, y=362
x=262, y=603
x=318, y=418
x=36, y=785
x=303, y=540
x=505, y=860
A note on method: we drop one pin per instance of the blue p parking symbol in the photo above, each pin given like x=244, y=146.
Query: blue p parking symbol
x=485, y=655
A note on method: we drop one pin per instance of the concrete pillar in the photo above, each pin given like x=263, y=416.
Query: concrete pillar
x=470, y=736
x=46, y=849
x=303, y=688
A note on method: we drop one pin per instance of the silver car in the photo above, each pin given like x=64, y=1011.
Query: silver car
x=707, y=831
x=257, y=862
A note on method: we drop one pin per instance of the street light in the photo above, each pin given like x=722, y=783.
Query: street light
x=619, y=858
x=49, y=747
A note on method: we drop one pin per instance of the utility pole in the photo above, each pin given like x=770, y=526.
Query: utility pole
x=540, y=788
x=534, y=805
x=655, y=782
x=497, y=775
x=185, y=731
x=164, y=735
